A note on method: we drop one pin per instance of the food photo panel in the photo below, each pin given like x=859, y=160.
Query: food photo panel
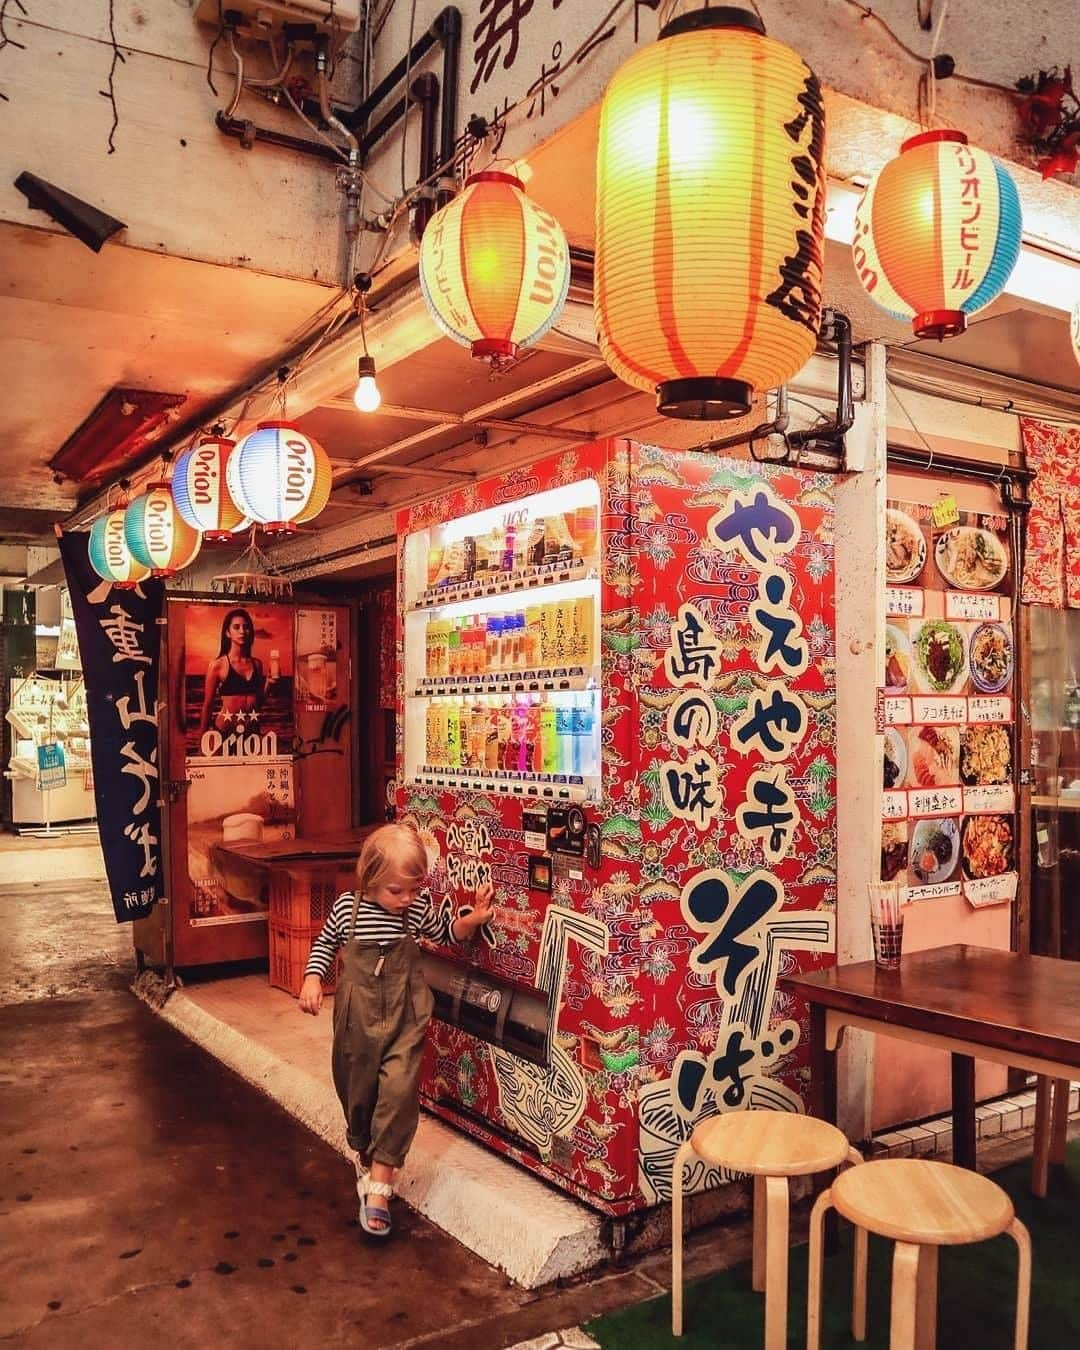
x=934, y=851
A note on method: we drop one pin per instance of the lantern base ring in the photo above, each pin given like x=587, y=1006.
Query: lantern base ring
x=939, y=323
x=279, y=527
x=501, y=349
x=704, y=399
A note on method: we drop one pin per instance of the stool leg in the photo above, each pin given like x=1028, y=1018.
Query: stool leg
x=926, y=1298
x=854, y=1157
x=1040, y=1144
x=905, y=1274
x=858, y=1288
x=1019, y=1235
x=814, y=1274
x=682, y=1157
x=776, y=1262
x=761, y=1228
x=1059, y=1121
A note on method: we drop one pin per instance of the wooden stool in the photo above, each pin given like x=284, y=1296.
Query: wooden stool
x=771, y=1146
x=1051, y=1124
x=922, y=1206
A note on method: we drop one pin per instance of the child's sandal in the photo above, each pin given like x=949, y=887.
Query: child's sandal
x=362, y=1171
x=370, y=1215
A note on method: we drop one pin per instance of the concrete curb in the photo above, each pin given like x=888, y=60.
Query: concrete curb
x=470, y=1193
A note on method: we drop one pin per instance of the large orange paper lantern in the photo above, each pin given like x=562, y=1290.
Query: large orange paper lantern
x=937, y=233
x=110, y=556
x=710, y=209
x=494, y=267
x=157, y=534
x=201, y=493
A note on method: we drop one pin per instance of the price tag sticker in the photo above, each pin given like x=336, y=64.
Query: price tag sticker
x=945, y=511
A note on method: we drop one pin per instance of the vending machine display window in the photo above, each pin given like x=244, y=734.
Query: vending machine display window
x=501, y=648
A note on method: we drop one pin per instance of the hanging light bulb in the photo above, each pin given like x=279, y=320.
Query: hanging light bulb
x=710, y=209
x=937, y=233
x=366, y=395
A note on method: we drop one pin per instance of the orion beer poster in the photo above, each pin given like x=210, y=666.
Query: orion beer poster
x=120, y=641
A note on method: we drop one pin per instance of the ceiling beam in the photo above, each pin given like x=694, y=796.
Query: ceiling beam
x=552, y=387
x=448, y=419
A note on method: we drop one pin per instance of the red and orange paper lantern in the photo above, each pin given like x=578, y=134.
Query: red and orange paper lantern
x=710, y=211
x=157, y=534
x=937, y=233
x=494, y=267
x=201, y=492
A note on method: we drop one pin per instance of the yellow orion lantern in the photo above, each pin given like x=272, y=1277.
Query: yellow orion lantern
x=494, y=267
x=157, y=534
x=710, y=209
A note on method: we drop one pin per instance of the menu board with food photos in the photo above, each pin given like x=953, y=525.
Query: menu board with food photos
x=949, y=804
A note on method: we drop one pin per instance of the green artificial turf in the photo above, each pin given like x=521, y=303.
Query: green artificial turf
x=976, y=1289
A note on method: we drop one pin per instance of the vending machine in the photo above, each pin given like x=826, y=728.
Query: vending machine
x=617, y=704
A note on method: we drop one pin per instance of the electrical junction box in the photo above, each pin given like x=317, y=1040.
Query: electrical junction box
x=263, y=17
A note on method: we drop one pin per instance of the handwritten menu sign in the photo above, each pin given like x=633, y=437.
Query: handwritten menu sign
x=948, y=811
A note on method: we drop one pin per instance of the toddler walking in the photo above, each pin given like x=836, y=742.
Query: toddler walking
x=382, y=1004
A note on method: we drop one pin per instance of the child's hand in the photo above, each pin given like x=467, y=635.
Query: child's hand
x=311, y=995
x=483, y=909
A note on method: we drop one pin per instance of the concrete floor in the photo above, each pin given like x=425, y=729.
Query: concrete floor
x=146, y=1191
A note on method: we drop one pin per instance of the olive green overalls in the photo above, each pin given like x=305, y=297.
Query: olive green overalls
x=381, y=1011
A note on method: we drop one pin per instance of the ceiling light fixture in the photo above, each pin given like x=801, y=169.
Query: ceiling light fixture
x=366, y=395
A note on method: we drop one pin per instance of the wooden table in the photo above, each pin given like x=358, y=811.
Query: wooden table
x=248, y=866
x=975, y=1002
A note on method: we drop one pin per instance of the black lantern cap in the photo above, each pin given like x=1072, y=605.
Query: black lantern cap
x=704, y=398
x=723, y=16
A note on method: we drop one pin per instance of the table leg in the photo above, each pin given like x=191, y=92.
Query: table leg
x=963, y=1111
x=823, y=1093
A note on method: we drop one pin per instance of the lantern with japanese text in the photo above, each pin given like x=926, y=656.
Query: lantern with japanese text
x=937, y=233
x=710, y=210
x=201, y=493
x=110, y=556
x=1074, y=331
x=494, y=267
x=157, y=534
x=279, y=477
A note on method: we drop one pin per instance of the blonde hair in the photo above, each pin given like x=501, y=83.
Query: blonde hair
x=394, y=850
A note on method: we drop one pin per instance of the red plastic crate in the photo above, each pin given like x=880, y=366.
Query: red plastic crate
x=290, y=948
x=302, y=895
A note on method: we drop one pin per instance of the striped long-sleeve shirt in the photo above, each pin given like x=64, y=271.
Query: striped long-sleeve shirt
x=375, y=924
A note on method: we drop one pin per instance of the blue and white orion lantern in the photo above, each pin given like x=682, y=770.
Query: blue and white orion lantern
x=279, y=477
x=110, y=556
x=200, y=489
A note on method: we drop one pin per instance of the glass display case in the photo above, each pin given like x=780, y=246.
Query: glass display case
x=502, y=648
x=1055, y=799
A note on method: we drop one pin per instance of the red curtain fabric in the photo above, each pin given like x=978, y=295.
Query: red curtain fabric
x=1052, y=553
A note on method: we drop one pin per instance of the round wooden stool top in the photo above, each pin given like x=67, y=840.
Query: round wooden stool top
x=916, y=1200
x=770, y=1143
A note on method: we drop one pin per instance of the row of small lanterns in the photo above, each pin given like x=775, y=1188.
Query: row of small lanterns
x=276, y=477
x=710, y=192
